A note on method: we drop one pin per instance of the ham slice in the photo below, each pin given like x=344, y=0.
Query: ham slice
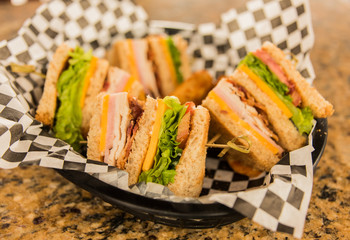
x=116, y=80
x=144, y=67
x=277, y=70
x=117, y=123
x=123, y=114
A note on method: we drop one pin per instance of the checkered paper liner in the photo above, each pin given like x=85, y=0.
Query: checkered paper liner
x=278, y=200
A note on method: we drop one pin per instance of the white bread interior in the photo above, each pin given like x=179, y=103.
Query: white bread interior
x=96, y=84
x=259, y=157
x=310, y=97
x=289, y=136
x=45, y=112
x=190, y=170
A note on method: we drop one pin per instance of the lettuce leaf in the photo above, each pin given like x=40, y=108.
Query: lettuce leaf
x=168, y=153
x=302, y=117
x=176, y=57
x=68, y=118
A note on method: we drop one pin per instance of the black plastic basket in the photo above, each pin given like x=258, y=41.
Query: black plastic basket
x=184, y=215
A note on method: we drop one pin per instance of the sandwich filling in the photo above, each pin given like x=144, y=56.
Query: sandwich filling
x=119, y=123
x=243, y=109
x=140, y=67
x=174, y=59
x=72, y=86
x=169, y=136
x=118, y=81
x=170, y=54
x=271, y=79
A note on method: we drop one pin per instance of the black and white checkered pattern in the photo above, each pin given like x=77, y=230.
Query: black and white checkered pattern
x=220, y=178
x=90, y=24
x=281, y=201
x=285, y=23
x=26, y=142
x=277, y=200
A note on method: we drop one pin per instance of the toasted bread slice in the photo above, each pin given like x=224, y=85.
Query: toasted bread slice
x=138, y=147
x=94, y=134
x=190, y=170
x=259, y=155
x=181, y=45
x=164, y=72
x=289, y=137
x=163, y=63
x=96, y=84
x=141, y=141
x=45, y=112
x=310, y=97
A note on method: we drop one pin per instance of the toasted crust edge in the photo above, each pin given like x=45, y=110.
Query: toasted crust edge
x=165, y=81
x=182, y=45
x=190, y=170
x=94, y=134
x=259, y=156
x=45, y=112
x=319, y=106
x=96, y=84
x=289, y=136
x=141, y=141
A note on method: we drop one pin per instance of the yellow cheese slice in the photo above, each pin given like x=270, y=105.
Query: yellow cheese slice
x=132, y=61
x=129, y=84
x=168, y=59
x=87, y=78
x=104, y=119
x=266, y=89
x=242, y=123
x=152, y=148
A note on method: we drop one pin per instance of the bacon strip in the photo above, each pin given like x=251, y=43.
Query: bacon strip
x=244, y=105
x=136, y=112
x=183, y=130
x=276, y=69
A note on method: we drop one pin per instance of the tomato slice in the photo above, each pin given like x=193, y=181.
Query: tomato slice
x=190, y=107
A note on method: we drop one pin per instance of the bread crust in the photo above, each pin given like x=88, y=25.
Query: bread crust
x=120, y=50
x=190, y=170
x=94, y=135
x=289, y=136
x=259, y=156
x=310, y=97
x=45, y=112
x=96, y=84
x=181, y=45
x=141, y=141
x=166, y=83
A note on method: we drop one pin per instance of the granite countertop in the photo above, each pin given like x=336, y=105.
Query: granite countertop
x=37, y=203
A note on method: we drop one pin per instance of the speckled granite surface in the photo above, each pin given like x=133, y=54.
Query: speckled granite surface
x=37, y=203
